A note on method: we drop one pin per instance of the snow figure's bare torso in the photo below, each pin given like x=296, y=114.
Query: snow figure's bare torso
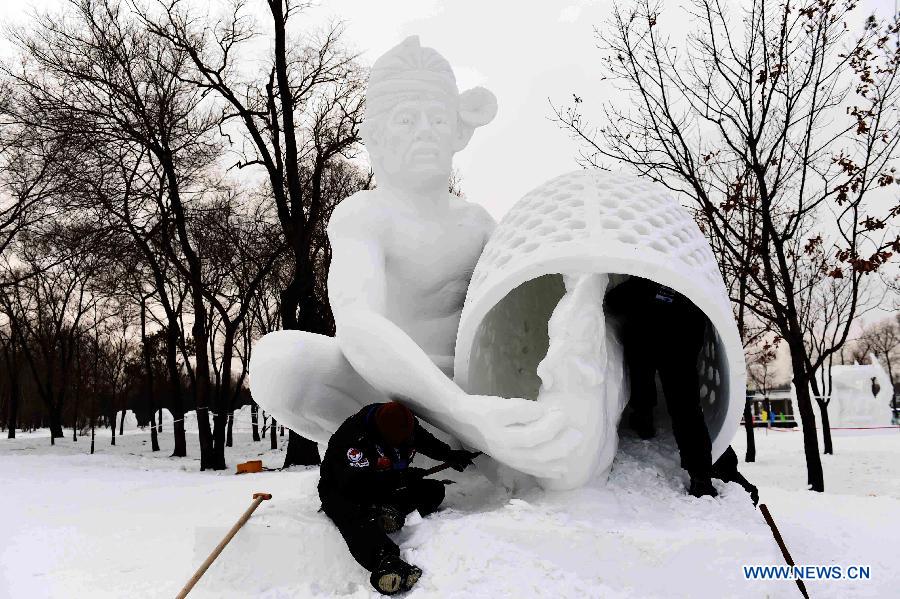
x=424, y=296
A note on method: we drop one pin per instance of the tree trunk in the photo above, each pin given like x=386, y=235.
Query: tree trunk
x=56, y=430
x=301, y=452
x=272, y=434
x=159, y=422
x=209, y=457
x=113, y=429
x=154, y=438
x=223, y=420
x=254, y=420
x=77, y=398
x=93, y=423
x=229, y=439
x=807, y=418
x=177, y=409
x=826, y=427
x=15, y=390
x=748, y=427
x=148, y=367
x=122, y=419
x=12, y=411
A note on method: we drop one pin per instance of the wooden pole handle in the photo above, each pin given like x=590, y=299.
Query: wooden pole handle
x=257, y=499
x=784, y=550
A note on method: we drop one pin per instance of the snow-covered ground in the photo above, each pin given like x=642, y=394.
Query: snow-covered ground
x=128, y=523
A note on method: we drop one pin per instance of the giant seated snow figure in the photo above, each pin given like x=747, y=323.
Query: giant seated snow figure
x=493, y=334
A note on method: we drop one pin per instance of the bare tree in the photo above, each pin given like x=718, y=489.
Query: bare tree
x=13, y=364
x=826, y=306
x=48, y=304
x=778, y=115
x=296, y=121
x=96, y=71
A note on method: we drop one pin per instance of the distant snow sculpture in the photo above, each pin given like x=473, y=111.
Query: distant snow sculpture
x=533, y=327
x=852, y=401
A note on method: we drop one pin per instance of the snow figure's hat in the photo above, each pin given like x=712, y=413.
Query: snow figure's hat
x=589, y=224
x=409, y=69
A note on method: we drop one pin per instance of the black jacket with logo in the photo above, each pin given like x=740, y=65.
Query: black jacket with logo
x=359, y=465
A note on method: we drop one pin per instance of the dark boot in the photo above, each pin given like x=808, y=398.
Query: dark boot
x=393, y=575
x=701, y=485
x=725, y=469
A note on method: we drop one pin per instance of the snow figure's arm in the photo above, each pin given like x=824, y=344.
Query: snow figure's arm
x=520, y=433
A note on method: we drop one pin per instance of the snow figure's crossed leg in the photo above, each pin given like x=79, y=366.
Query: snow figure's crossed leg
x=306, y=383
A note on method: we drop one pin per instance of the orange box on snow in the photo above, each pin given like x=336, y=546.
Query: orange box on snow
x=251, y=466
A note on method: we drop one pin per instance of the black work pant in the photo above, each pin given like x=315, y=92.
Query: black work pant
x=356, y=522
x=670, y=344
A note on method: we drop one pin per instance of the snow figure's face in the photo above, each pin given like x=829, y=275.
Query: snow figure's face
x=415, y=142
x=533, y=325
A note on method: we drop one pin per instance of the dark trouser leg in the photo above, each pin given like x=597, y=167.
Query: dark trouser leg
x=365, y=539
x=681, y=387
x=423, y=495
x=642, y=377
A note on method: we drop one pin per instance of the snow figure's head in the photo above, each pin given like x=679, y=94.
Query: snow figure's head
x=533, y=324
x=416, y=119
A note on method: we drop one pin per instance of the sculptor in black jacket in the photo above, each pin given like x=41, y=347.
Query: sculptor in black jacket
x=367, y=486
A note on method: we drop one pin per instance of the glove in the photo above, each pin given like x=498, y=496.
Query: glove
x=460, y=459
x=411, y=475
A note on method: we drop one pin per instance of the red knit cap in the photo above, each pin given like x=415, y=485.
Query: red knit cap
x=395, y=423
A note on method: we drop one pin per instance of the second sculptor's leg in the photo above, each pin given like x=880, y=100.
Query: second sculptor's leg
x=306, y=383
x=678, y=373
x=366, y=541
x=642, y=376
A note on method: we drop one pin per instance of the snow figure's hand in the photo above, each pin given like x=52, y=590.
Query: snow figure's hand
x=523, y=434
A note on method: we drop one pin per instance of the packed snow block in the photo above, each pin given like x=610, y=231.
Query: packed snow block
x=533, y=323
x=259, y=558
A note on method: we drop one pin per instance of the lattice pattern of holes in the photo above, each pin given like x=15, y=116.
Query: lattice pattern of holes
x=709, y=377
x=620, y=209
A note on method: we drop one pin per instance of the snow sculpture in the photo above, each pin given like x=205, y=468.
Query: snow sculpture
x=533, y=326
x=852, y=402
x=548, y=255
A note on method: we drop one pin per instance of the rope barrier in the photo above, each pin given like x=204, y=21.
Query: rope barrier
x=833, y=428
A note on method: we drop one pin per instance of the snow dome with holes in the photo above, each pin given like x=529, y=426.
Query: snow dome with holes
x=533, y=323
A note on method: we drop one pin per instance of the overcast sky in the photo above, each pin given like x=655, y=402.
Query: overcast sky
x=527, y=53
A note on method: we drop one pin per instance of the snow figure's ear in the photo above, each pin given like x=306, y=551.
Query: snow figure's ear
x=477, y=107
